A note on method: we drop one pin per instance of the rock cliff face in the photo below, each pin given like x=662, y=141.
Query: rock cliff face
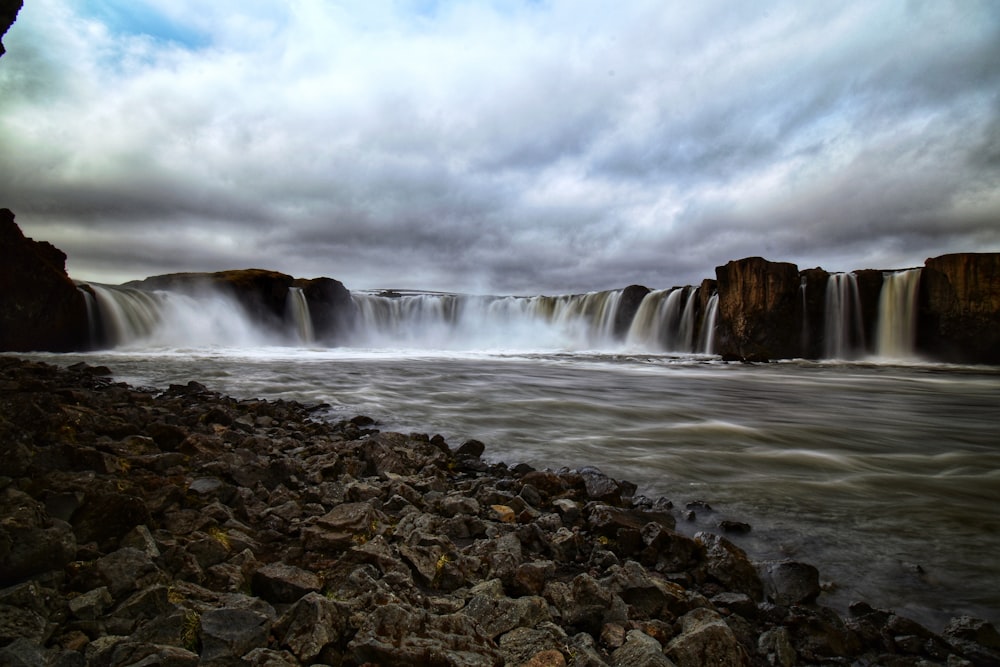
x=8, y=12
x=759, y=309
x=632, y=296
x=264, y=295
x=959, y=316
x=40, y=307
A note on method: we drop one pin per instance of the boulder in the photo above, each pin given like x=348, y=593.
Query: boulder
x=959, y=312
x=279, y=582
x=312, y=625
x=705, y=639
x=40, y=307
x=641, y=649
x=227, y=634
x=789, y=582
x=759, y=309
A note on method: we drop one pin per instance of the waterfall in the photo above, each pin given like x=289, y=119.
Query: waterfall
x=93, y=317
x=685, y=330
x=664, y=321
x=707, y=344
x=843, y=332
x=897, y=314
x=464, y=322
x=134, y=317
x=298, y=312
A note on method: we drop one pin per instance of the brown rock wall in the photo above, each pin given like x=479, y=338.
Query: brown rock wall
x=758, y=309
x=959, y=317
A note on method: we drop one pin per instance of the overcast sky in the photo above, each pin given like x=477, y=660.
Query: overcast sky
x=507, y=146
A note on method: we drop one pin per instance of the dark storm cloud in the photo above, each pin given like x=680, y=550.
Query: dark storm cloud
x=514, y=147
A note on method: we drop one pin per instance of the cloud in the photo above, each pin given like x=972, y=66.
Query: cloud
x=508, y=146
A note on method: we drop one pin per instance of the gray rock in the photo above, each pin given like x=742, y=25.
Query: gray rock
x=310, y=626
x=278, y=582
x=789, y=582
x=728, y=564
x=776, y=646
x=22, y=652
x=90, y=605
x=641, y=649
x=705, y=639
x=496, y=615
x=396, y=634
x=265, y=657
x=521, y=644
x=125, y=570
x=17, y=623
x=228, y=634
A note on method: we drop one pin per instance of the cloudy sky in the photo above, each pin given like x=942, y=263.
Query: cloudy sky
x=508, y=146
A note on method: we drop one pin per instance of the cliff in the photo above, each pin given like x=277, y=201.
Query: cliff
x=264, y=295
x=40, y=307
x=8, y=12
x=959, y=315
x=759, y=309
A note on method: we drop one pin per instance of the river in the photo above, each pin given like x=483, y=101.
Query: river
x=884, y=476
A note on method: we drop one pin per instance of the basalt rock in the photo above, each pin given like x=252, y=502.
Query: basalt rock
x=271, y=538
x=960, y=308
x=758, y=310
x=628, y=304
x=40, y=307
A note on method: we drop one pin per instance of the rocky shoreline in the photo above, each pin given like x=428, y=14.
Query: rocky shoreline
x=142, y=526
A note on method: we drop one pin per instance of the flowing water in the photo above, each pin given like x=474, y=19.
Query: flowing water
x=884, y=474
x=885, y=477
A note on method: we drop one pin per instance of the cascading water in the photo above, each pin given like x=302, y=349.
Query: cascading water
x=707, y=344
x=298, y=312
x=685, y=330
x=897, y=314
x=665, y=321
x=450, y=321
x=133, y=317
x=843, y=332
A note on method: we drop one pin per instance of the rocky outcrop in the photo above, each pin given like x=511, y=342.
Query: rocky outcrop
x=40, y=307
x=959, y=315
x=334, y=313
x=8, y=12
x=631, y=297
x=264, y=296
x=183, y=527
x=759, y=310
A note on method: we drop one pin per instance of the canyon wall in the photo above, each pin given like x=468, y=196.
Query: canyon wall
x=959, y=314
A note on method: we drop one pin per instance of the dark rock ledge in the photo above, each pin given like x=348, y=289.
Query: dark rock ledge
x=182, y=527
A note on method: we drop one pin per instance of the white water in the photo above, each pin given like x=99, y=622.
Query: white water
x=134, y=318
x=897, y=324
x=843, y=333
x=865, y=470
x=298, y=312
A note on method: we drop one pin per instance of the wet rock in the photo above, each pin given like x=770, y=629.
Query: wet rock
x=789, y=582
x=23, y=652
x=705, y=639
x=776, y=647
x=728, y=564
